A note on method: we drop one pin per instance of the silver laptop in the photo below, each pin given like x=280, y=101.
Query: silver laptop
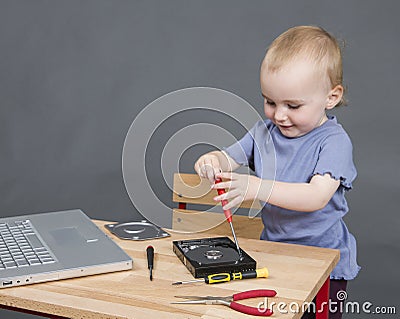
x=51, y=246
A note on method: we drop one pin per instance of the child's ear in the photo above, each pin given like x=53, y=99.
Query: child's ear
x=334, y=97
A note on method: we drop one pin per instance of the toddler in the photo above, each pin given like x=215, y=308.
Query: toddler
x=302, y=157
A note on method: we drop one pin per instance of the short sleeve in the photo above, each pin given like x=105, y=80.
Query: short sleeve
x=242, y=152
x=336, y=159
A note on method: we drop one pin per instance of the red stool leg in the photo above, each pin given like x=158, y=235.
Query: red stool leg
x=182, y=205
x=322, y=301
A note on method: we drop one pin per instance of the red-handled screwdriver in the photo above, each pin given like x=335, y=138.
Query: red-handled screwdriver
x=228, y=215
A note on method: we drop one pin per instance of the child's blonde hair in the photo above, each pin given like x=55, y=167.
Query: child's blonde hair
x=312, y=42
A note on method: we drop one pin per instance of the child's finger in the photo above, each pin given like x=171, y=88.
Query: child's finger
x=223, y=196
x=234, y=202
x=216, y=167
x=228, y=206
x=223, y=185
x=218, y=198
x=208, y=170
x=197, y=168
x=227, y=175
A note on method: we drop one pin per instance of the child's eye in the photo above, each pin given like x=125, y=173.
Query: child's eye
x=293, y=107
x=270, y=102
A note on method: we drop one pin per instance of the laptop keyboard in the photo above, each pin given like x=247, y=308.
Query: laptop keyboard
x=20, y=246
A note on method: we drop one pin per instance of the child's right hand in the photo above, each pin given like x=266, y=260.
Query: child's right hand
x=207, y=166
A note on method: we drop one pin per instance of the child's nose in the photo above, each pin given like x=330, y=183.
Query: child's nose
x=280, y=114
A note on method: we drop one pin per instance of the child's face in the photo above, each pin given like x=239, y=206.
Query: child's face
x=295, y=97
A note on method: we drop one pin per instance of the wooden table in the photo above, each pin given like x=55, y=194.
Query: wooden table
x=297, y=273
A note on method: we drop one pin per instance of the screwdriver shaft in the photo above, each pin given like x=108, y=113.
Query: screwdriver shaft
x=187, y=282
x=228, y=215
x=236, y=242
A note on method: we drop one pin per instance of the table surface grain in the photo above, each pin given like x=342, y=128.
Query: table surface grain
x=296, y=273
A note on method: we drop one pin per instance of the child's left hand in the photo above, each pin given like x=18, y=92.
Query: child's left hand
x=241, y=187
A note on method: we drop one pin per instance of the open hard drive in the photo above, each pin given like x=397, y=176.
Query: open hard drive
x=206, y=256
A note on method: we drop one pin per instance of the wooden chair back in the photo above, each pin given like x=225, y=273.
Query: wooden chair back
x=190, y=189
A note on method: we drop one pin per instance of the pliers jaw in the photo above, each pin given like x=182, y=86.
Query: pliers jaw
x=218, y=302
x=207, y=300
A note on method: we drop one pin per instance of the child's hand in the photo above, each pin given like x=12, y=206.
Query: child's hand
x=207, y=166
x=241, y=187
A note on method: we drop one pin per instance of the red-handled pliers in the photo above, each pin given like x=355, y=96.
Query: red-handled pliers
x=230, y=301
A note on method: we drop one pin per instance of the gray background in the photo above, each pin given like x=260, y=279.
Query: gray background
x=74, y=74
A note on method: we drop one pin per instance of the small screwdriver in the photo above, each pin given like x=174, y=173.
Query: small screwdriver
x=150, y=258
x=225, y=277
x=228, y=215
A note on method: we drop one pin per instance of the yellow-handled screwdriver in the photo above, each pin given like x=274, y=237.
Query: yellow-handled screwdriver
x=225, y=277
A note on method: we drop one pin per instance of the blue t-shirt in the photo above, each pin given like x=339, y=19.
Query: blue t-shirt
x=325, y=149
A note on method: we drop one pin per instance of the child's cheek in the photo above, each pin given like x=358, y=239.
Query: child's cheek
x=268, y=112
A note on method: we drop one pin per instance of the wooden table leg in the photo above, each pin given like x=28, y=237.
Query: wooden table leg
x=322, y=301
